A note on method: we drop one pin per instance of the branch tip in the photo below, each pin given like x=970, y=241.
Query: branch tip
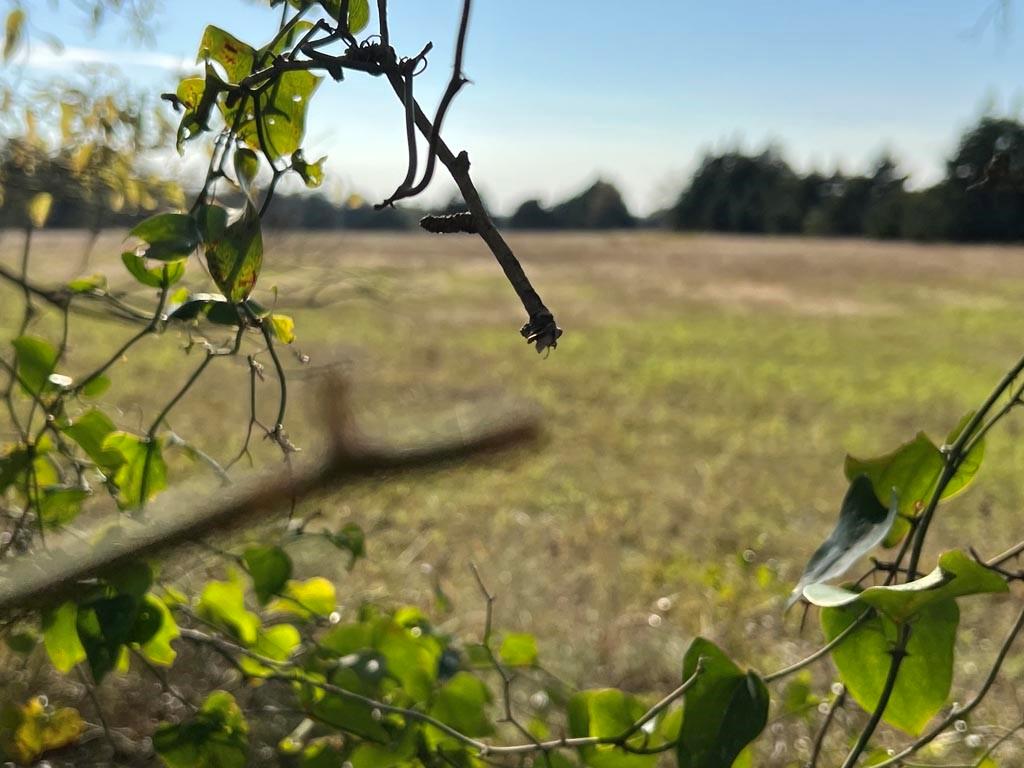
x=543, y=331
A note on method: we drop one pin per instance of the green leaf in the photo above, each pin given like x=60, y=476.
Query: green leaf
x=247, y=168
x=519, y=650
x=348, y=715
x=13, y=32
x=286, y=43
x=88, y=284
x=311, y=173
x=411, y=656
x=211, y=306
x=158, y=648
x=211, y=221
x=38, y=209
x=270, y=569
x=283, y=328
x=237, y=58
x=277, y=643
x=90, y=430
x=913, y=470
x=313, y=597
x=60, y=505
x=863, y=523
x=223, y=603
x=358, y=13
x=217, y=736
x=171, y=236
x=95, y=386
x=165, y=275
x=725, y=709
x=351, y=539
x=142, y=473
x=462, y=703
x=282, y=114
x=607, y=713
x=325, y=753
x=925, y=676
x=132, y=578
x=30, y=731
x=955, y=576
x=21, y=642
x=198, y=95
x=60, y=637
x=235, y=259
x=14, y=460
x=970, y=463
x=36, y=359
x=105, y=626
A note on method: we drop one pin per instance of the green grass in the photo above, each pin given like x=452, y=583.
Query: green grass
x=697, y=414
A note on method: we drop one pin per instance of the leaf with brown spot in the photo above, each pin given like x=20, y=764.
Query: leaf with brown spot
x=236, y=257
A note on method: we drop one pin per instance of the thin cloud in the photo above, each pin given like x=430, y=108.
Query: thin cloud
x=41, y=58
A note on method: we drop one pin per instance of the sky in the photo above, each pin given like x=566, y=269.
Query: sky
x=567, y=91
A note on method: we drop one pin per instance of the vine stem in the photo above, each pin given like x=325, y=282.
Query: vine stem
x=898, y=654
x=484, y=749
x=954, y=458
x=830, y=716
x=151, y=432
x=961, y=712
x=151, y=327
x=821, y=652
x=30, y=309
x=503, y=673
x=282, y=380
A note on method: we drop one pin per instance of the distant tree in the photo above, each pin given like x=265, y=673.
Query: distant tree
x=533, y=215
x=884, y=213
x=734, y=192
x=599, y=207
x=859, y=205
x=925, y=215
x=984, y=187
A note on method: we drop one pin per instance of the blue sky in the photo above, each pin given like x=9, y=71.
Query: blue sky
x=565, y=91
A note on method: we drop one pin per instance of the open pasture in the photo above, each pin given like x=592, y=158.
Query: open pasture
x=697, y=414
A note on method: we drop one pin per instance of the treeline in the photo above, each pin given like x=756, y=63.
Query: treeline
x=980, y=198
x=598, y=207
x=93, y=186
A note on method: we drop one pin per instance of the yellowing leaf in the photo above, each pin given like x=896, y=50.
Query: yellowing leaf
x=28, y=732
x=13, y=29
x=38, y=209
x=314, y=597
x=142, y=473
x=223, y=603
x=158, y=648
x=60, y=637
x=236, y=257
x=283, y=328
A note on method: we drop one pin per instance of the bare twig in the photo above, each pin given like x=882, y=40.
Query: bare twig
x=830, y=716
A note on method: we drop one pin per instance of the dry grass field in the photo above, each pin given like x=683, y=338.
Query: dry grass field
x=697, y=414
